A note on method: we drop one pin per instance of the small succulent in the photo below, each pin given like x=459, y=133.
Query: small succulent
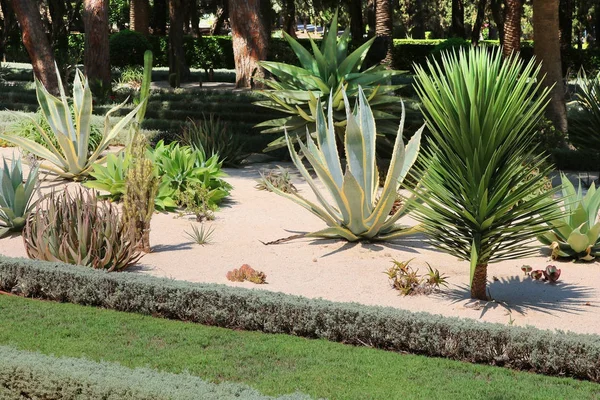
x=201, y=235
x=526, y=269
x=279, y=178
x=408, y=281
x=537, y=274
x=551, y=273
x=247, y=273
x=435, y=278
x=16, y=196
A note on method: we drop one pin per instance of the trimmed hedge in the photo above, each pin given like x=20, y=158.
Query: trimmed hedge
x=27, y=375
x=528, y=348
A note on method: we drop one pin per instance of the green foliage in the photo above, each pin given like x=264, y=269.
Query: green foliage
x=182, y=166
x=16, y=195
x=127, y=48
x=279, y=178
x=533, y=350
x=214, y=137
x=584, y=124
x=131, y=76
x=81, y=230
x=31, y=375
x=111, y=177
x=481, y=109
x=577, y=233
x=356, y=213
x=202, y=235
x=407, y=280
x=327, y=71
x=71, y=159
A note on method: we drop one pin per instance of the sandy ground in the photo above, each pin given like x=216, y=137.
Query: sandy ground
x=346, y=272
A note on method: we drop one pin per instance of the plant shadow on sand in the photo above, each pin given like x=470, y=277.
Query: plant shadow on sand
x=521, y=295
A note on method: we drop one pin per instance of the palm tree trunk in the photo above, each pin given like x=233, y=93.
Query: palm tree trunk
x=479, y=283
x=478, y=21
x=512, y=27
x=36, y=42
x=458, y=19
x=139, y=14
x=547, y=50
x=96, y=56
x=250, y=41
x=384, y=28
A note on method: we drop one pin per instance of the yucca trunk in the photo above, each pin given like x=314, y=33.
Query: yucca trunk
x=479, y=283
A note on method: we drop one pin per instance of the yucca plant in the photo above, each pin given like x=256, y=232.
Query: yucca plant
x=71, y=158
x=584, y=125
x=295, y=90
x=79, y=229
x=16, y=196
x=577, y=233
x=357, y=213
x=475, y=204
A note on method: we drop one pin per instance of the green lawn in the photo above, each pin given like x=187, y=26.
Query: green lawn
x=273, y=364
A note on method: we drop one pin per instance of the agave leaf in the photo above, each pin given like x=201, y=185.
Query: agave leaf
x=304, y=56
x=578, y=241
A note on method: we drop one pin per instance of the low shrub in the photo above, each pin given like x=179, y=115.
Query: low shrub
x=541, y=351
x=30, y=375
x=127, y=48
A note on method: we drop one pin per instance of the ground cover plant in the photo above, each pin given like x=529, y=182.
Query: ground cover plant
x=272, y=364
x=480, y=200
x=358, y=213
x=577, y=234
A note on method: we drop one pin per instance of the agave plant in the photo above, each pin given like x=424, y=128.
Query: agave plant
x=357, y=213
x=295, y=90
x=577, y=233
x=480, y=200
x=584, y=125
x=111, y=177
x=79, y=229
x=16, y=196
x=71, y=158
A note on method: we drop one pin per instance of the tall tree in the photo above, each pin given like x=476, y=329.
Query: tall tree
x=250, y=41
x=547, y=50
x=221, y=15
x=139, y=16
x=476, y=32
x=384, y=28
x=512, y=27
x=177, y=64
x=289, y=17
x=458, y=19
x=565, y=21
x=96, y=54
x=159, y=17
x=498, y=16
x=357, y=28
x=36, y=42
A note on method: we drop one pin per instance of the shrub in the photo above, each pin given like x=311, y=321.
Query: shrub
x=30, y=375
x=356, y=214
x=16, y=196
x=577, y=233
x=78, y=229
x=584, y=124
x=534, y=350
x=481, y=109
x=214, y=137
x=127, y=48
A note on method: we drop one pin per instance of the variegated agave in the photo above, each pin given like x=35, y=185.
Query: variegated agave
x=71, y=159
x=294, y=90
x=356, y=214
x=577, y=233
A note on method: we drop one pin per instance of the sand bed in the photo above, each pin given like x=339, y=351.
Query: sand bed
x=353, y=272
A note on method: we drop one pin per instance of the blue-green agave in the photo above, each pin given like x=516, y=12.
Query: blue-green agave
x=577, y=233
x=16, y=196
x=360, y=211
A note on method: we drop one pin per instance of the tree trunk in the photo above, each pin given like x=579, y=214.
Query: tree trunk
x=139, y=16
x=476, y=33
x=371, y=17
x=36, y=43
x=458, y=19
x=159, y=20
x=512, y=27
x=289, y=17
x=418, y=31
x=96, y=56
x=195, y=19
x=384, y=27
x=547, y=50
x=266, y=13
x=221, y=15
x=356, y=21
x=177, y=64
x=497, y=15
x=479, y=284
x=250, y=41
x=565, y=21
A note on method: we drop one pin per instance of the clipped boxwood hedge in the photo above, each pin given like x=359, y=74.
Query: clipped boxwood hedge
x=528, y=348
x=27, y=375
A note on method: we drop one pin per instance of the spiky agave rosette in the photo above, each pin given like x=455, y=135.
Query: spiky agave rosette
x=356, y=212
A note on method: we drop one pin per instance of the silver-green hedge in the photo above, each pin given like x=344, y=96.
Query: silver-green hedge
x=27, y=375
x=541, y=351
